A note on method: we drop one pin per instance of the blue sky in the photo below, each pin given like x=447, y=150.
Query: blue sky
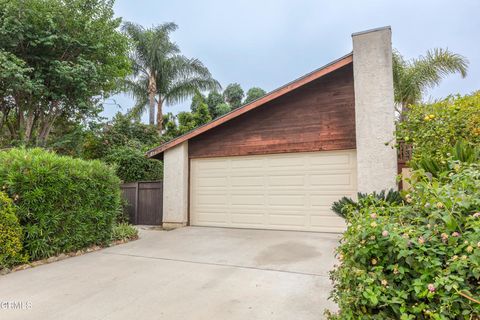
x=269, y=43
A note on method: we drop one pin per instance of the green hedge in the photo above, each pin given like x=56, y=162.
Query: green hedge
x=11, y=234
x=419, y=260
x=64, y=204
x=132, y=165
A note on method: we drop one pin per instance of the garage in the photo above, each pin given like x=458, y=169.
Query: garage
x=279, y=162
x=290, y=191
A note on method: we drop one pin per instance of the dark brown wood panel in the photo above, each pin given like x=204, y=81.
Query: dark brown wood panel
x=144, y=202
x=319, y=116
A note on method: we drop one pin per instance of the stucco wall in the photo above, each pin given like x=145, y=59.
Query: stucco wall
x=374, y=110
x=175, y=181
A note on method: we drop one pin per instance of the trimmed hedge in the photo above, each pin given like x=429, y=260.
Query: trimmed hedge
x=64, y=204
x=11, y=234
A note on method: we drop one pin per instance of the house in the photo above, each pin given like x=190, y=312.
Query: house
x=280, y=161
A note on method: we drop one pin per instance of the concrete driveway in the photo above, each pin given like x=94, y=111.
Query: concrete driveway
x=189, y=273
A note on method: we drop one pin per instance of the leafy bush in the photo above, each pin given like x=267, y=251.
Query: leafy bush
x=124, y=231
x=420, y=260
x=11, y=234
x=132, y=165
x=461, y=152
x=122, y=131
x=434, y=128
x=346, y=204
x=64, y=204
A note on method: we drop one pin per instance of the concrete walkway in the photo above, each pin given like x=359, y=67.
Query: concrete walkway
x=190, y=273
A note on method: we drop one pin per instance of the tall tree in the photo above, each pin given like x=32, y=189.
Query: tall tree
x=213, y=100
x=161, y=74
x=253, y=94
x=411, y=78
x=197, y=99
x=68, y=54
x=233, y=95
x=222, y=108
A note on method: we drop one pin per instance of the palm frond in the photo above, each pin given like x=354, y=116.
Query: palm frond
x=437, y=64
x=185, y=89
x=182, y=77
x=412, y=78
x=138, y=109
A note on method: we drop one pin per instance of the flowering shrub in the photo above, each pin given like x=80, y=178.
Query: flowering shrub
x=420, y=260
x=63, y=204
x=454, y=118
x=11, y=234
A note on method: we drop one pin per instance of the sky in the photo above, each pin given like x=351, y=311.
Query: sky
x=271, y=42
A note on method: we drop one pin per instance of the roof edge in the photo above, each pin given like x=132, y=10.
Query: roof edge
x=371, y=30
x=278, y=92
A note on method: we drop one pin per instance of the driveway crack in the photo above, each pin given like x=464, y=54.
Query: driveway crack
x=218, y=264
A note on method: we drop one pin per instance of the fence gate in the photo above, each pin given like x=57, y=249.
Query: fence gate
x=144, y=202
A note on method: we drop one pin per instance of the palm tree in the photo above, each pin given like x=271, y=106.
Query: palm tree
x=412, y=78
x=161, y=75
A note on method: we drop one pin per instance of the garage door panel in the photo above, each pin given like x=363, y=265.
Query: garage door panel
x=209, y=199
x=317, y=200
x=212, y=181
x=286, y=180
x=286, y=200
x=247, y=163
x=247, y=200
x=212, y=217
x=211, y=165
x=287, y=220
x=281, y=191
x=284, y=161
x=336, y=160
x=332, y=180
x=247, y=181
x=248, y=218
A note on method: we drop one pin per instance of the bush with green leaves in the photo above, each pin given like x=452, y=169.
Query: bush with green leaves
x=63, y=204
x=462, y=152
x=124, y=231
x=122, y=131
x=346, y=204
x=419, y=260
x=11, y=234
x=131, y=165
x=433, y=129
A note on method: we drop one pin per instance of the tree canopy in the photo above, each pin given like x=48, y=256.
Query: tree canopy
x=233, y=95
x=58, y=59
x=253, y=94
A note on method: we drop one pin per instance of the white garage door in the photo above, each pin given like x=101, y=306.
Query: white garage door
x=290, y=191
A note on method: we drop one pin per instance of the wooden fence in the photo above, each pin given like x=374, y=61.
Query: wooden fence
x=145, y=202
x=404, y=154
